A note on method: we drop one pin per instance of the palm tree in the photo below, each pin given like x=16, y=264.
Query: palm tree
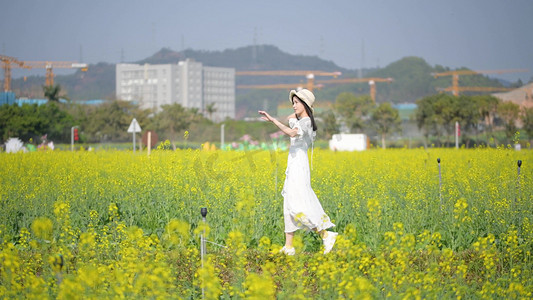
x=51, y=92
x=210, y=109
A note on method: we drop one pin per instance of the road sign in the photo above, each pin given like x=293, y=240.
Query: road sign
x=134, y=126
x=153, y=140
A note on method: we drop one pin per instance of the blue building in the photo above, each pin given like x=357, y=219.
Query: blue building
x=10, y=99
x=7, y=98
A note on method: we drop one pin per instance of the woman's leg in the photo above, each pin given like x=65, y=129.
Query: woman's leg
x=289, y=236
x=288, y=249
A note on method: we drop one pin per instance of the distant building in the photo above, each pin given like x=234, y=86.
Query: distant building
x=10, y=99
x=7, y=98
x=188, y=83
x=149, y=86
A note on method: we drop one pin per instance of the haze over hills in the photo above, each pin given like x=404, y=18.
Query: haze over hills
x=412, y=77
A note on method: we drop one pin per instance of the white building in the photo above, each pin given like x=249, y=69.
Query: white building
x=219, y=92
x=187, y=83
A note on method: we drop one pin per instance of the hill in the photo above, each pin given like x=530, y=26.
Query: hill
x=263, y=57
x=412, y=77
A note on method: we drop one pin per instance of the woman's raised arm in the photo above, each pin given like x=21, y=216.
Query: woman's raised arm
x=287, y=130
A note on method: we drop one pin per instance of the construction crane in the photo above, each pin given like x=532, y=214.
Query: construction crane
x=287, y=73
x=455, y=76
x=51, y=65
x=476, y=89
x=7, y=61
x=371, y=81
x=310, y=75
x=11, y=62
x=281, y=86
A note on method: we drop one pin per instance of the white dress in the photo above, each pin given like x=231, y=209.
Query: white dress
x=301, y=207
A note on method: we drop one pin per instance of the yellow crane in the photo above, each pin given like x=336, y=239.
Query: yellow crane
x=455, y=76
x=281, y=86
x=286, y=73
x=476, y=89
x=7, y=62
x=371, y=81
x=310, y=75
x=51, y=65
x=11, y=62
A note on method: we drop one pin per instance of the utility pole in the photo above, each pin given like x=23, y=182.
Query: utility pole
x=360, y=74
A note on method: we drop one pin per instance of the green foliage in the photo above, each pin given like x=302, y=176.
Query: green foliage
x=527, y=121
x=353, y=111
x=386, y=120
x=31, y=122
x=266, y=57
x=436, y=115
x=328, y=122
x=509, y=113
x=487, y=105
x=51, y=92
x=174, y=119
x=412, y=80
x=55, y=121
x=164, y=145
x=110, y=121
x=210, y=109
x=425, y=116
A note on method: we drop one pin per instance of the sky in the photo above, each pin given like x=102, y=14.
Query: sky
x=477, y=34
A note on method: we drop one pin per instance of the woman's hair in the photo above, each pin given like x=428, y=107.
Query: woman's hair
x=310, y=113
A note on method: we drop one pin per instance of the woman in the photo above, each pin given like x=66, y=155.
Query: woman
x=301, y=207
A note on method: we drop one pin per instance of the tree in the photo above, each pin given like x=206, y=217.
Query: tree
x=32, y=121
x=386, y=120
x=487, y=106
x=527, y=121
x=51, y=92
x=110, y=121
x=509, y=113
x=426, y=118
x=447, y=112
x=353, y=110
x=329, y=123
x=174, y=119
x=437, y=114
x=210, y=109
x=54, y=121
x=18, y=121
x=468, y=115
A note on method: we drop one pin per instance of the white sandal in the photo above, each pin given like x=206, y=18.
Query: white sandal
x=287, y=251
x=329, y=241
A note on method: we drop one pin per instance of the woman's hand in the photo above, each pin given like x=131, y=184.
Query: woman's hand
x=266, y=116
x=288, y=131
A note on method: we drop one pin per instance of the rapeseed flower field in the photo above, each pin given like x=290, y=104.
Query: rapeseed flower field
x=113, y=224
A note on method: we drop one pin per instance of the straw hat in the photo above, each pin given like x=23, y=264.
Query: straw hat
x=304, y=95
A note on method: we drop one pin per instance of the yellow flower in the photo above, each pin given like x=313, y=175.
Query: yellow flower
x=42, y=228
